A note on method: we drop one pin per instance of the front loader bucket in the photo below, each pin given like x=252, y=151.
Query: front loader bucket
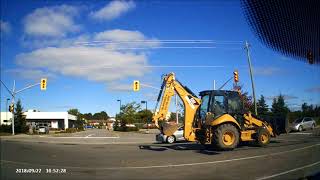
x=169, y=128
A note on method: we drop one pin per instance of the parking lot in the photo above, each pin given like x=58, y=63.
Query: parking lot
x=118, y=155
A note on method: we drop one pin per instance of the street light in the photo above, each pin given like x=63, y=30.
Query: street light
x=120, y=104
x=146, y=102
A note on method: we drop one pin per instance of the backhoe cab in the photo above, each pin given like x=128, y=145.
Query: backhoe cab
x=217, y=118
x=224, y=123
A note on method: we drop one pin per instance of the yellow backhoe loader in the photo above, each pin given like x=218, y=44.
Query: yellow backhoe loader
x=218, y=118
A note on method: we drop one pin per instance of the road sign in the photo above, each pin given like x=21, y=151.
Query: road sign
x=136, y=85
x=43, y=84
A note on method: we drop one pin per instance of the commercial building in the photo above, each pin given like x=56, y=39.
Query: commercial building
x=56, y=120
x=5, y=118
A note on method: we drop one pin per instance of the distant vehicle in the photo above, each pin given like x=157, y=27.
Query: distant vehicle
x=303, y=124
x=89, y=127
x=43, y=128
x=177, y=136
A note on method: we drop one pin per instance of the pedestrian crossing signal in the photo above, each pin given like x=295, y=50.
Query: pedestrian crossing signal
x=136, y=85
x=43, y=84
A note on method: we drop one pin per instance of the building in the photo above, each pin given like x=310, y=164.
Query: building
x=56, y=120
x=5, y=118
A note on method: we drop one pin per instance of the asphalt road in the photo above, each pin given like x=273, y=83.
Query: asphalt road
x=291, y=156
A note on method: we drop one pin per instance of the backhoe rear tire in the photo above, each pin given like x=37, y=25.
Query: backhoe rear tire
x=226, y=137
x=262, y=137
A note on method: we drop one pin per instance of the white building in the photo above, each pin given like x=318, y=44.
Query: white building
x=5, y=118
x=61, y=120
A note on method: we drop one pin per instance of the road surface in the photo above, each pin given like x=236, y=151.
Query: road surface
x=290, y=156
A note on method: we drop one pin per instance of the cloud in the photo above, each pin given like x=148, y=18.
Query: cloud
x=286, y=97
x=119, y=87
x=92, y=63
x=5, y=27
x=31, y=74
x=113, y=10
x=313, y=89
x=54, y=21
x=266, y=71
x=83, y=57
x=118, y=38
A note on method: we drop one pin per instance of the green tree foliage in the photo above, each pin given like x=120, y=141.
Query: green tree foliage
x=19, y=119
x=79, y=122
x=279, y=107
x=100, y=115
x=87, y=116
x=173, y=117
x=128, y=114
x=247, y=102
x=262, y=107
x=144, y=116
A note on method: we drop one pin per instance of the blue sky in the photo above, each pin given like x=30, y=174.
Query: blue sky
x=91, y=51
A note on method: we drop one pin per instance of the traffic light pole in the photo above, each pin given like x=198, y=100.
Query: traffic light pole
x=13, y=94
x=251, y=76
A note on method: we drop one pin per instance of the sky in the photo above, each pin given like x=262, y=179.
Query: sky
x=91, y=51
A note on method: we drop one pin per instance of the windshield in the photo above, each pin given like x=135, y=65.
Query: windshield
x=204, y=106
x=298, y=120
x=218, y=105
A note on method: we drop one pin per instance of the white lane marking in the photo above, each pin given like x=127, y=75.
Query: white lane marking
x=89, y=135
x=289, y=171
x=86, y=137
x=166, y=166
x=302, y=133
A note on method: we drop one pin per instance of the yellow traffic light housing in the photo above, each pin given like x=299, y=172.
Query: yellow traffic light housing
x=11, y=108
x=136, y=85
x=236, y=76
x=43, y=84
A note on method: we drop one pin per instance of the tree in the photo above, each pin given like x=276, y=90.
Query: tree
x=19, y=119
x=173, y=117
x=279, y=107
x=144, y=115
x=262, y=107
x=128, y=113
x=247, y=102
x=79, y=122
x=87, y=116
x=100, y=115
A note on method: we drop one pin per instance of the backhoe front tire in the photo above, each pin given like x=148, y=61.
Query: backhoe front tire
x=226, y=137
x=262, y=137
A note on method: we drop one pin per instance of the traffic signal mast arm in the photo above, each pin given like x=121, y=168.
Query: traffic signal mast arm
x=190, y=101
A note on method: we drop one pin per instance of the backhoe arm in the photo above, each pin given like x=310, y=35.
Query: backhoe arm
x=190, y=101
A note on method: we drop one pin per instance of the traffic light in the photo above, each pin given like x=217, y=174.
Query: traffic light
x=310, y=57
x=136, y=85
x=43, y=84
x=236, y=76
x=11, y=107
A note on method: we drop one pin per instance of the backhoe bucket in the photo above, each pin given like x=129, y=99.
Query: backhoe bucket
x=168, y=128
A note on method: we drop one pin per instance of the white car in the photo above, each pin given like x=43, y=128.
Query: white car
x=177, y=136
x=303, y=124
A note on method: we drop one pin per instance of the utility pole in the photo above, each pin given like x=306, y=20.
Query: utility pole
x=251, y=76
x=13, y=95
x=214, y=84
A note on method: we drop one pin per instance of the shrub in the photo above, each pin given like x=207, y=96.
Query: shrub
x=126, y=129
x=6, y=128
x=71, y=130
